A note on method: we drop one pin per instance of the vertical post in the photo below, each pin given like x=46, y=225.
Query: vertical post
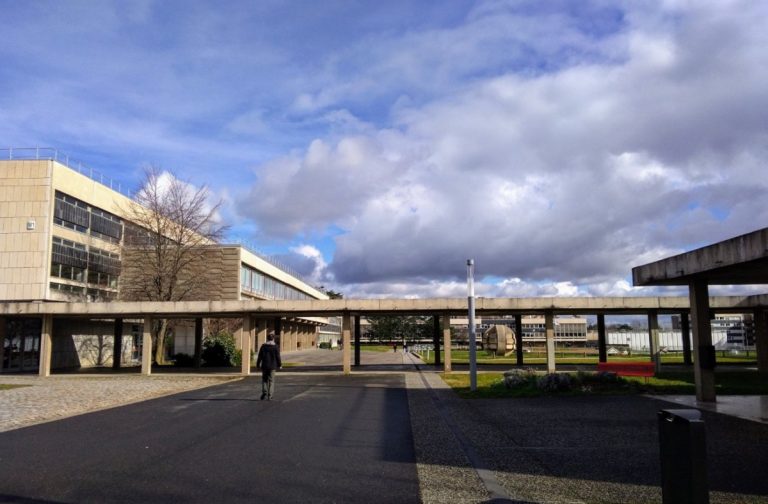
x=436, y=337
x=519, y=339
x=245, y=346
x=601, y=343
x=761, y=341
x=198, y=342
x=3, y=334
x=46, y=345
x=447, y=342
x=653, y=340
x=146, y=348
x=703, y=351
x=346, y=329
x=117, y=350
x=471, y=325
x=278, y=327
x=549, y=327
x=685, y=332
x=261, y=335
x=357, y=340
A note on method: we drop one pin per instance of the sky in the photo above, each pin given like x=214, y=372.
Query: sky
x=376, y=146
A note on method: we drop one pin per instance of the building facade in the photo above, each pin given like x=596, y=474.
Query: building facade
x=62, y=237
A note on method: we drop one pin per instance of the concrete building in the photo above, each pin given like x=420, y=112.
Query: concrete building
x=567, y=328
x=62, y=235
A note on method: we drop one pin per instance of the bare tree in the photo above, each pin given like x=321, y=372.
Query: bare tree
x=171, y=225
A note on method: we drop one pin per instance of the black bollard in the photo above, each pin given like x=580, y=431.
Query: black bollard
x=683, y=451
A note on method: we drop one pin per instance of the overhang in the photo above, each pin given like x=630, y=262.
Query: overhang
x=737, y=261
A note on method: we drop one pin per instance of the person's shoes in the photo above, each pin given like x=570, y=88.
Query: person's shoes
x=269, y=398
x=263, y=396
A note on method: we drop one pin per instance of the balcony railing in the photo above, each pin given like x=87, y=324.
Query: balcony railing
x=49, y=153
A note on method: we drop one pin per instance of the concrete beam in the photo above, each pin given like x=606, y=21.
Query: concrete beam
x=313, y=308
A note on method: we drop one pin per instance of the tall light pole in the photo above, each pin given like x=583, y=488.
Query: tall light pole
x=471, y=325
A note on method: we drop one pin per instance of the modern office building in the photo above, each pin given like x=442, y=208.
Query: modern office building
x=567, y=328
x=62, y=235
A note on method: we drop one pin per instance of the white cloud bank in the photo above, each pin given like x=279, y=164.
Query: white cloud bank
x=557, y=181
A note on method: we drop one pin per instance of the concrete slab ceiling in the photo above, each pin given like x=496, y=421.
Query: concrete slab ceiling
x=737, y=261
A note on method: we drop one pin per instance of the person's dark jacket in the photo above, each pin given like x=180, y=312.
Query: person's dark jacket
x=269, y=357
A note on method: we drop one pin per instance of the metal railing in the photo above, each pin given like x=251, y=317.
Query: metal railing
x=49, y=153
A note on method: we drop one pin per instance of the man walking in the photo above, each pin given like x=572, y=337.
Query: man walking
x=268, y=361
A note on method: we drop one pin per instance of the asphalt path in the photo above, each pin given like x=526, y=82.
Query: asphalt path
x=325, y=438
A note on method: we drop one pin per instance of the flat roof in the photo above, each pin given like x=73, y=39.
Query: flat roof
x=736, y=261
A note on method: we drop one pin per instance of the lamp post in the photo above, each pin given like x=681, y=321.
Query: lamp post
x=471, y=325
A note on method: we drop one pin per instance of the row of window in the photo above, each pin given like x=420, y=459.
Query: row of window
x=73, y=261
x=80, y=291
x=258, y=283
x=75, y=214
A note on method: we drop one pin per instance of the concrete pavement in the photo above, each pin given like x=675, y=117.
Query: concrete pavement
x=378, y=437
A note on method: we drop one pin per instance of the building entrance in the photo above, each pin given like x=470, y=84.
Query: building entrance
x=21, y=346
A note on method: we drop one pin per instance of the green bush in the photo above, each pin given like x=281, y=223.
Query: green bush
x=219, y=350
x=237, y=360
x=183, y=360
x=555, y=382
x=325, y=345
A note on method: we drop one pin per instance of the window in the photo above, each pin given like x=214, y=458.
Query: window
x=75, y=214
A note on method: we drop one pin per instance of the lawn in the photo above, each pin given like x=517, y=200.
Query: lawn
x=462, y=357
x=727, y=383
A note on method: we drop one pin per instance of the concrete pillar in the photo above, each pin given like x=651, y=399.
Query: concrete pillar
x=601, y=339
x=703, y=352
x=198, y=357
x=117, y=350
x=519, y=339
x=357, y=340
x=685, y=330
x=346, y=342
x=761, y=341
x=3, y=334
x=653, y=340
x=278, y=328
x=245, y=345
x=436, y=338
x=549, y=326
x=46, y=345
x=146, y=348
x=261, y=333
x=447, y=342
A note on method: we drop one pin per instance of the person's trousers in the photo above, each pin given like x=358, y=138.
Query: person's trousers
x=267, y=383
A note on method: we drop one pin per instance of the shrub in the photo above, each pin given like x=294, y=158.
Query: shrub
x=237, y=359
x=219, y=350
x=183, y=360
x=518, y=377
x=555, y=382
x=325, y=344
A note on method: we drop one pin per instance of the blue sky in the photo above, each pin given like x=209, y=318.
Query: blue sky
x=375, y=146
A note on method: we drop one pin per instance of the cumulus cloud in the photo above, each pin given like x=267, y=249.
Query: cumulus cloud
x=564, y=179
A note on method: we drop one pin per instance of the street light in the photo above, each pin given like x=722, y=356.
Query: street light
x=471, y=325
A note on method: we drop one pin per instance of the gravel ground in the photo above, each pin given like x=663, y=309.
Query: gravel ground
x=46, y=399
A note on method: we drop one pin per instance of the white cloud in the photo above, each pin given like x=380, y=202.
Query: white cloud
x=565, y=179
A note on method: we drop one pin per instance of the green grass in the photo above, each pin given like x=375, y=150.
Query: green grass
x=462, y=357
x=5, y=386
x=378, y=348
x=490, y=385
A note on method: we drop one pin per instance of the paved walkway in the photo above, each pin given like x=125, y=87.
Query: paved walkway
x=549, y=450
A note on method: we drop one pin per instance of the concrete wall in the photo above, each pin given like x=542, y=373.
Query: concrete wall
x=215, y=274
x=25, y=197
x=89, y=343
